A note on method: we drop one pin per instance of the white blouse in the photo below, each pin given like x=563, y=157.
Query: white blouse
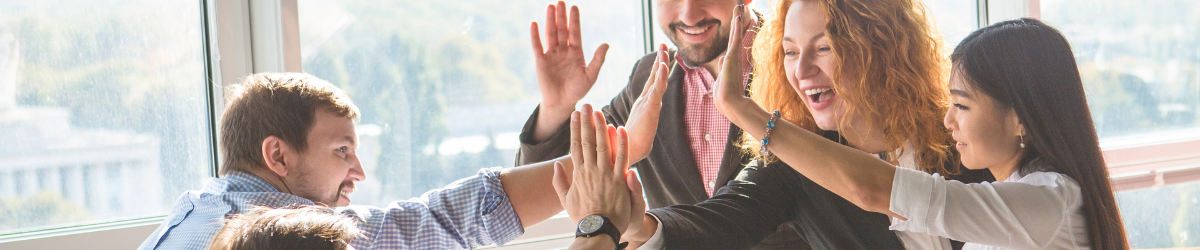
x=1040, y=210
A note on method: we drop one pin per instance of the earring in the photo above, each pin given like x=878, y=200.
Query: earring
x=1022, y=140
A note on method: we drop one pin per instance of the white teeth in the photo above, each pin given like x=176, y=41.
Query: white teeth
x=344, y=193
x=816, y=91
x=694, y=31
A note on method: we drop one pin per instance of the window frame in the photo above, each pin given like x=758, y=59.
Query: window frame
x=248, y=36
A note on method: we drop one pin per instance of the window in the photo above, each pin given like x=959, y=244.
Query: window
x=446, y=88
x=103, y=110
x=1140, y=65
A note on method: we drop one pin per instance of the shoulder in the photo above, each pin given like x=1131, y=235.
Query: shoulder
x=1051, y=179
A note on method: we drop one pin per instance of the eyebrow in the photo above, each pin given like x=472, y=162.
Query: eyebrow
x=959, y=92
x=815, y=37
x=351, y=139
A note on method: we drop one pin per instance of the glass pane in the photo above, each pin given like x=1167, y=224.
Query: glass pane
x=954, y=18
x=446, y=87
x=1140, y=63
x=103, y=110
x=1166, y=217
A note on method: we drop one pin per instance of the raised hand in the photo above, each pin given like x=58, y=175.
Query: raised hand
x=643, y=118
x=730, y=87
x=563, y=75
x=598, y=184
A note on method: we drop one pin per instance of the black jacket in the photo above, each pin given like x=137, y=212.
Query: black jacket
x=669, y=175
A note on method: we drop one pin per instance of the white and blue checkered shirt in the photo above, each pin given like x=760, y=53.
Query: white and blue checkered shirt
x=469, y=213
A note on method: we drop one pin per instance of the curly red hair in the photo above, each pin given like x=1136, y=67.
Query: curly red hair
x=889, y=65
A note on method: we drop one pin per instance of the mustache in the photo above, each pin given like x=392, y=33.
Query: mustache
x=679, y=24
x=348, y=184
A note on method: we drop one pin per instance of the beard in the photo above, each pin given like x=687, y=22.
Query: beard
x=695, y=54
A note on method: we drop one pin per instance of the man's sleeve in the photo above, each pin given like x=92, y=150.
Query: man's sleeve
x=470, y=213
x=738, y=216
x=558, y=144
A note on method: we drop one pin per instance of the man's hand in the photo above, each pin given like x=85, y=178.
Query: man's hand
x=598, y=185
x=563, y=76
x=730, y=90
x=643, y=118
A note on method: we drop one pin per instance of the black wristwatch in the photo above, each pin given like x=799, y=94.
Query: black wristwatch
x=596, y=225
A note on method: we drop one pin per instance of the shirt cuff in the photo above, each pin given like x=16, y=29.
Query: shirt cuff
x=501, y=219
x=912, y=193
x=655, y=242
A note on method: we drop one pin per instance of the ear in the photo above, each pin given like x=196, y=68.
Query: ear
x=273, y=152
x=1015, y=123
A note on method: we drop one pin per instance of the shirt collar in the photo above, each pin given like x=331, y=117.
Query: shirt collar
x=239, y=181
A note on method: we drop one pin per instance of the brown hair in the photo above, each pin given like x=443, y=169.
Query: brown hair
x=888, y=60
x=297, y=227
x=1028, y=66
x=274, y=104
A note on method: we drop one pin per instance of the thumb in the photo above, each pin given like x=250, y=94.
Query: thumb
x=562, y=181
x=593, y=68
x=638, y=203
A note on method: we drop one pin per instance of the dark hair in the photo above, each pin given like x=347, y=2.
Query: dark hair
x=1028, y=66
x=274, y=104
x=296, y=227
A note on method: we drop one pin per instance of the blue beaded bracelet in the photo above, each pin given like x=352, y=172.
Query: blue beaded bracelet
x=762, y=150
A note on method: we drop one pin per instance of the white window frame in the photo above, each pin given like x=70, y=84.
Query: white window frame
x=251, y=36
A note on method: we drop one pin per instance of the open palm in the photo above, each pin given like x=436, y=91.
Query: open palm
x=563, y=76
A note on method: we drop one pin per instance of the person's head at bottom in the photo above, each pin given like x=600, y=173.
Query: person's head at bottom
x=297, y=227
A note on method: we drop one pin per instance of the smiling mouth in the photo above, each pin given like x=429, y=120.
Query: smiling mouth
x=819, y=95
x=695, y=30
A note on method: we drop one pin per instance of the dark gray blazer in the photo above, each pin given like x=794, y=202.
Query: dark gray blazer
x=669, y=175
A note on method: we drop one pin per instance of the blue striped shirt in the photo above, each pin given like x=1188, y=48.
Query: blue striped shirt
x=469, y=213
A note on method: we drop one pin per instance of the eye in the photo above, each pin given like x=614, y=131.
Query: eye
x=825, y=48
x=960, y=107
x=790, y=53
x=343, y=149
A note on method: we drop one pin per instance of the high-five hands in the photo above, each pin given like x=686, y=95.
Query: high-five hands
x=643, y=117
x=730, y=88
x=601, y=183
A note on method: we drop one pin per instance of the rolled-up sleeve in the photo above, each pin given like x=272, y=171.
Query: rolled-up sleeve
x=470, y=213
x=1022, y=214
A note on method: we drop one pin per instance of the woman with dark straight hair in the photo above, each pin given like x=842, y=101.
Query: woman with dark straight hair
x=1019, y=111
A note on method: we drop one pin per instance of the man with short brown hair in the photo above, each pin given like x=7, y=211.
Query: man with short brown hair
x=289, y=139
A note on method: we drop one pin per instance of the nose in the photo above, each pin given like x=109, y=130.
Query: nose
x=690, y=12
x=949, y=121
x=356, y=170
x=806, y=68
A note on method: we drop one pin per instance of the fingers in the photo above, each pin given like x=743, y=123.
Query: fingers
x=576, y=141
x=536, y=39
x=587, y=135
x=575, y=38
x=551, y=27
x=593, y=68
x=561, y=31
x=621, y=160
x=603, y=148
x=562, y=181
x=658, y=59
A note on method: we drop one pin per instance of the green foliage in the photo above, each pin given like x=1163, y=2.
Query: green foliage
x=39, y=210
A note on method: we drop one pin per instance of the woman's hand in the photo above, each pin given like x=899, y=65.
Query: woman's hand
x=729, y=95
x=643, y=118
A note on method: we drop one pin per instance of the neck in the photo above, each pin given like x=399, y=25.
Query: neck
x=1005, y=169
x=275, y=180
x=869, y=139
x=713, y=66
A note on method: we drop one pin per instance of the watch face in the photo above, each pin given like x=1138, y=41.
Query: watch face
x=590, y=224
